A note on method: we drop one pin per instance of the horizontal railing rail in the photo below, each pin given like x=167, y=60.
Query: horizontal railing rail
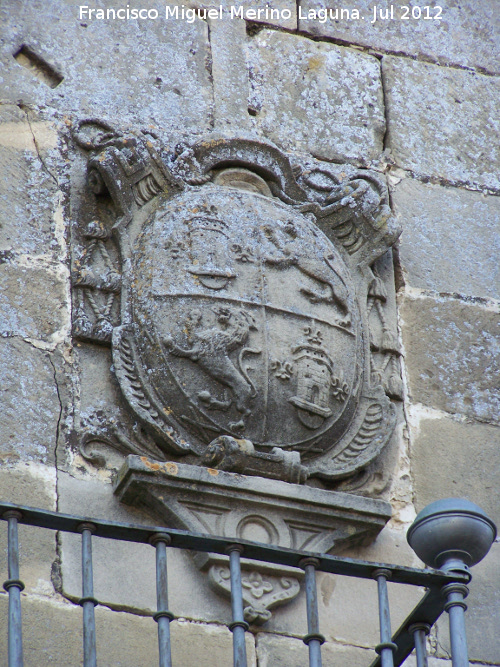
x=392, y=650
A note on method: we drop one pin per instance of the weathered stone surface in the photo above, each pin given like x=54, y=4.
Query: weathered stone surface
x=357, y=622
x=279, y=651
x=287, y=9
x=33, y=302
x=101, y=426
x=33, y=485
x=53, y=636
x=254, y=508
x=452, y=356
x=168, y=85
x=457, y=108
x=29, y=404
x=124, y=573
x=431, y=662
x=467, y=33
x=236, y=506
x=196, y=644
x=390, y=546
x=118, y=584
x=230, y=74
x=468, y=262
x=99, y=393
x=328, y=101
x=99, y=389
x=28, y=194
x=348, y=606
x=482, y=613
x=456, y=459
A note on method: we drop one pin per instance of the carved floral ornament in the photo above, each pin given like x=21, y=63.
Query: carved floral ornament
x=238, y=293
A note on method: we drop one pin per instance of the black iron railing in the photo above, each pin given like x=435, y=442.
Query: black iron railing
x=445, y=589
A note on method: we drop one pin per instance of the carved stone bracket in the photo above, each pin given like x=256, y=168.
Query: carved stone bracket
x=206, y=500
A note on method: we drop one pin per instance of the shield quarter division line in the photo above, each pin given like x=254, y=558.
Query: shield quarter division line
x=257, y=304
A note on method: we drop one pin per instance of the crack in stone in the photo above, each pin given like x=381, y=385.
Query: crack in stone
x=379, y=52
x=25, y=110
x=58, y=428
x=385, y=138
x=447, y=183
x=209, y=60
x=480, y=301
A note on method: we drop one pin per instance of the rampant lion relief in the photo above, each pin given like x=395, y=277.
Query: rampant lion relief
x=239, y=295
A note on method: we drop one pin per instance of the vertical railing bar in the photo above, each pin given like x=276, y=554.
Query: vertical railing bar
x=420, y=632
x=14, y=586
x=163, y=616
x=314, y=638
x=455, y=606
x=386, y=647
x=88, y=601
x=238, y=625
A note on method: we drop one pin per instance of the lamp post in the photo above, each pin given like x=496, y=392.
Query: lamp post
x=453, y=535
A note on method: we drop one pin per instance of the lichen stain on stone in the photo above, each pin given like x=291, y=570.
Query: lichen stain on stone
x=171, y=468
x=315, y=63
x=213, y=472
x=148, y=464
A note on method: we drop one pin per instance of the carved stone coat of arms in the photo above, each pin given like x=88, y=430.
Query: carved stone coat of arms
x=237, y=290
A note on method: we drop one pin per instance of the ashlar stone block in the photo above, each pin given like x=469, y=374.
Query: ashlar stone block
x=151, y=71
x=196, y=644
x=280, y=651
x=29, y=403
x=463, y=32
x=33, y=485
x=457, y=110
x=316, y=97
x=29, y=196
x=451, y=458
x=348, y=607
x=53, y=637
x=124, y=573
x=452, y=356
x=33, y=302
x=468, y=262
x=483, y=603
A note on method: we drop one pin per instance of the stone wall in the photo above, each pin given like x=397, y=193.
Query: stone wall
x=416, y=100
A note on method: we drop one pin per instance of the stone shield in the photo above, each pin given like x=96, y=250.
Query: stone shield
x=246, y=324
